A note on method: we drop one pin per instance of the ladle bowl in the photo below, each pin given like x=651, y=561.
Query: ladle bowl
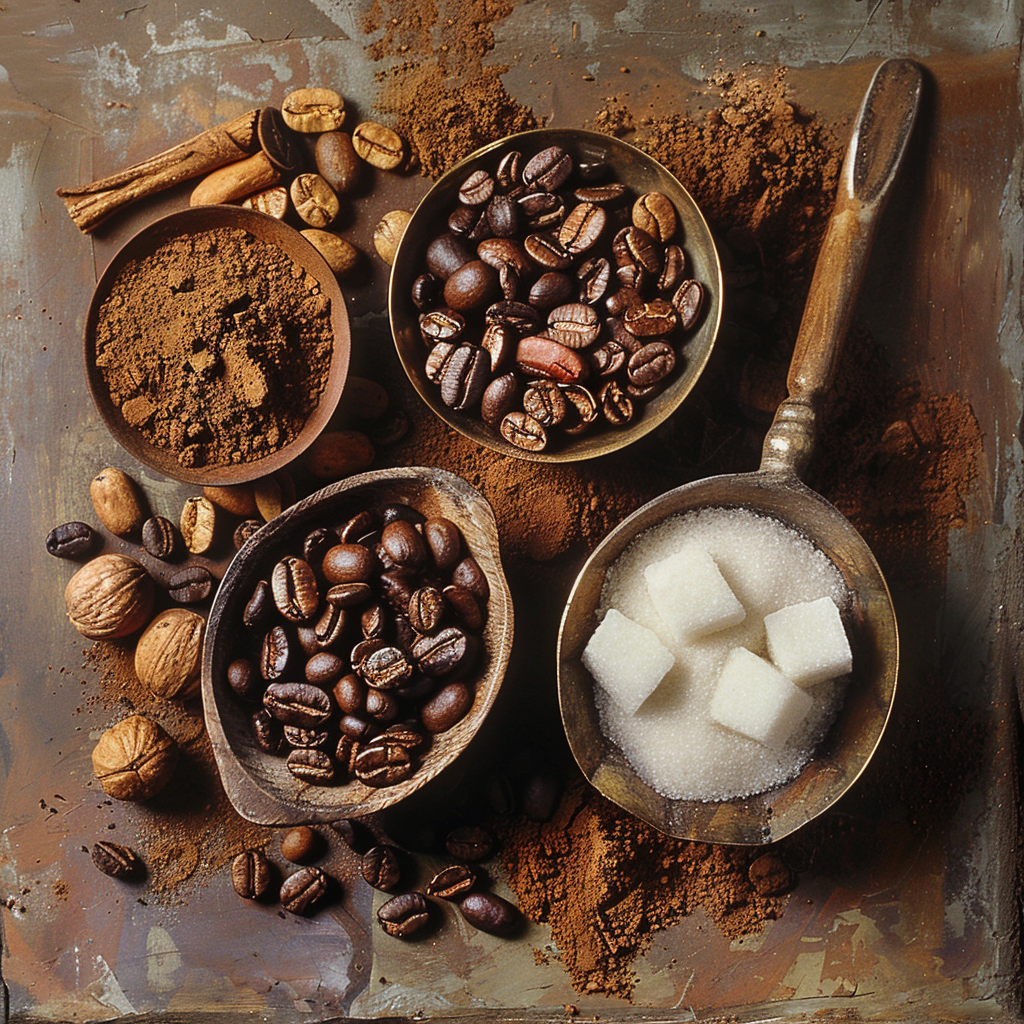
x=876, y=149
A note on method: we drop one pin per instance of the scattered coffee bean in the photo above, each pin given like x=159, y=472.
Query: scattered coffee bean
x=242, y=678
x=117, y=501
x=115, y=860
x=378, y=145
x=272, y=201
x=405, y=915
x=469, y=843
x=161, y=539
x=341, y=255
x=301, y=844
x=337, y=161
x=192, y=585
x=388, y=234
x=71, y=540
x=251, y=874
x=314, y=200
x=198, y=524
x=277, y=141
x=490, y=913
x=452, y=883
x=313, y=110
x=381, y=867
x=301, y=890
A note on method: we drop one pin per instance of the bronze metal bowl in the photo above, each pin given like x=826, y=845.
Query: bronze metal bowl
x=273, y=232
x=641, y=173
x=258, y=784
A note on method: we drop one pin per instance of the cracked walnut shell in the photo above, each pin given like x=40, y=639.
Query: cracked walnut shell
x=169, y=654
x=109, y=597
x=134, y=759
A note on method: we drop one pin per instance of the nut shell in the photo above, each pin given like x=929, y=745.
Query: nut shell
x=169, y=654
x=134, y=759
x=109, y=597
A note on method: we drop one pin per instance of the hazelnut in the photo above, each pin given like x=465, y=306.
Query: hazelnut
x=169, y=654
x=109, y=597
x=134, y=759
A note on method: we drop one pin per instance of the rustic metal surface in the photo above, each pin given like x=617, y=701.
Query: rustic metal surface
x=914, y=917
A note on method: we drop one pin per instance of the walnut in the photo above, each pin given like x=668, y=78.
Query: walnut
x=169, y=654
x=134, y=759
x=109, y=597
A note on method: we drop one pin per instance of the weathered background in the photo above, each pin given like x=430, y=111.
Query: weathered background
x=907, y=904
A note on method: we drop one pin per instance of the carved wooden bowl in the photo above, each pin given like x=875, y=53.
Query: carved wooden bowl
x=258, y=784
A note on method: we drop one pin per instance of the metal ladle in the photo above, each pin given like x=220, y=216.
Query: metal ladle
x=879, y=140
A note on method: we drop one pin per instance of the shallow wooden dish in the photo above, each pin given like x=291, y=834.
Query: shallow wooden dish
x=633, y=168
x=271, y=231
x=258, y=784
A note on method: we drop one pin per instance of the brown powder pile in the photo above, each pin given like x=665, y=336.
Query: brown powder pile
x=442, y=97
x=606, y=882
x=189, y=829
x=216, y=346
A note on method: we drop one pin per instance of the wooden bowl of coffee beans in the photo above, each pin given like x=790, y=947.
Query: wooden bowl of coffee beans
x=355, y=646
x=556, y=295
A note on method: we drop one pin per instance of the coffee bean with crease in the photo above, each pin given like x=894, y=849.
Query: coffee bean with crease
x=615, y=404
x=607, y=359
x=425, y=291
x=299, y=704
x=581, y=408
x=296, y=736
x=688, y=302
x=161, y=538
x=470, y=843
x=275, y=654
x=465, y=376
x=504, y=216
x=426, y=609
x=651, y=364
x=582, y=228
x=654, y=213
x=191, y=585
x=267, y=732
x=443, y=652
x=311, y=765
x=244, y=530
x=509, y=169
x=652, y=319
x=348, y=595
x=575, y=325
x=251, y=874
x=330, y=627
x=545, y=402
x=293, y=584
x=520, y=316
x=115, y=860
x=673, y=269
x=405, y=915
x=381, y=867
x=382, y=763
x=477, y=189
x=452, y=883
x=437, y=360
x=548, y=169
x=74, y=540
x=499, y=342
x=546, y=251
x=386, y=668
x=500, y=399
x=537, y=356
x=301, y=890
x=593, y=276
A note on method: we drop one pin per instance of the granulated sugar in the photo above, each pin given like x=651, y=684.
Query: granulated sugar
x=671, y=741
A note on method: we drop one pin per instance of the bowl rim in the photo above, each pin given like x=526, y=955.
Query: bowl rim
x=268, y=229
x=698, y=344
x=258, y=801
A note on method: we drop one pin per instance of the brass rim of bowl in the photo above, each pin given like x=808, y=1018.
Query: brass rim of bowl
x=259, y=785
x=642, y=173
x=854, y=736
x=267, y=229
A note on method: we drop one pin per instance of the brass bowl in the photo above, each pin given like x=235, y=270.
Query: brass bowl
x=258, y=784
x=273, y=232
x=641, y=173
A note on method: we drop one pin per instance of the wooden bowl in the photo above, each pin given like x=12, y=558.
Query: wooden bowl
x=273, y=232
x=258, y=784
x=633, y=168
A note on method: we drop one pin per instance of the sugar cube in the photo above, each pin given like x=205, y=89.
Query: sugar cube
x=807, y=641
x=755, y=699
x=626, y=659
x=691, y=595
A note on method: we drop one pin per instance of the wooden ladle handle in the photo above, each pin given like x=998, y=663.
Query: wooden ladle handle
x=879, y=141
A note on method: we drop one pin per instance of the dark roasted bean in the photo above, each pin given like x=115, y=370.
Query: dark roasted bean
x=575, y=325
x=244, y=530
x=607, y=358
x=192, y=585
x=404, y=544
x=317, y=544
x=161, y=538
x=490, y=913
x=445, y=255
x=551, y=289
x=115, y=860
x=349, y=595
x=386, y=668
x=477, y=189
x=469, y=843
x=301, y=844
x=546, y=251
x=425, y=291
x=464, y=377
x=581, y=408
x=311, y=765
x=405, y=735
x=373, y=621
x=242, y=678
x=508, y=173
x=72, y=540
x=382, y=706
x=673, y=269
x=301, y=890
x=619, y=301
x=593, y=276
x=444, y=542
x=468, y=574
x=500, y=398
x=330, y=627
x=382, y=763
x=466, y=606
x=543, y=400
x=297, y=704
x=324, y=668
x=503, y=216
x=267, y=732
x=405, y=915
x=651, y=319
x=472, y=286
x=520, y=316
x=441, y=325
x=251, y=874
x=349, y=563
x=606, y=194
x=582, y=228
x=616, y=406
x=437, y=359
x=275, y=654
x=505, y=252
x=293, y=584
x=296, y=736
x=548, y=169
x=651, y=364
x=443, y=652
x=426, y=609
x=452, y=883
x=381, y=867
x=446, y=707
x=540, y=795
x=688, y=302
x=350, y=694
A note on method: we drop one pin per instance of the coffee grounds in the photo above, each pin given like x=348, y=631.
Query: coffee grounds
x=189, y=830
x=443, y=99
x=215, y=347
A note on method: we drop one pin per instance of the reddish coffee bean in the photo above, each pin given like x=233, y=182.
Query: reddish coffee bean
x=542, y=357
x=490, y=913
x=350, y=694
x=301, y=844
x=447, y=707
x=349, y=563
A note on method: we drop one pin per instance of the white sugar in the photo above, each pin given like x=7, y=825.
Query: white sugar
x=690, y=594
x=807, y=641
x=671, y=741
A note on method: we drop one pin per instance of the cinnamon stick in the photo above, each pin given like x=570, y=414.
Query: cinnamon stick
x=222, y=144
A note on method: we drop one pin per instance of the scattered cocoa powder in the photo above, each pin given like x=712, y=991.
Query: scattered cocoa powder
x=216, y=346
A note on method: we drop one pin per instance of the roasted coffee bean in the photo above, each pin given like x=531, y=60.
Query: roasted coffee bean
x=634, y=245
x=546, y=251
x=509, y=281
x=355, y=727
x=161, y=539
x=593, y=276
x=405, y=735
x=324, y=668
x=540, y=795
x=337, y=161
x=582, y=228
x=509, y=168
x=652, y=319
x=330, y=627
x=505, y=252
x=469, y=843
x=616, y=406
x=520, y=316
x=619, y=301
x=381, y=867
x=275, y=654
x=551, y=289
x=543, y=400
x=316, y=544
x=452, y=883
x=542, y=210
x=310, y=765
x=198, y=524
x=363, y=650
x=387, y=235
x=382, y=763
x=673, y=268
x=378, y=145
x=242, y=678
x=490, y=913
x=651, y=364
x=443, y=541
x=296, y=736
x=277, y=141
x=437, y=360
x=499, y=342
x=581, y=408
x=251, y=874
x=468, y=574
x=463, y=220
x=373, y=621
x=244, y=530
x=537, y=356
x=386, y=668
x=301, y=890
x=313, y=110
x=293, y=584
x=615, y=328
x=299, y=704
x=500, y=398
x=192, y=585
x=445, y=255
x=306, y=638
x=465, y=377
x=71, y=540
x=548, y=169
x=607, y=358
x=442, y=653
x=405, y=915
x=273, y=201
x=472, y=286
x=349, y=563
x=361, y=525
x=301, y=844
x=348, y=595
x=350, y=694
x=446, y=707
x=654, y=213
x=575, y=325
x=382, y=706
x=477, y=189
x=503, y=216
x=605, y=194
x=425, y=291
x=267, y=732
x=426, y=609
x=769, y=875
x=523, y=431
x=314, y=200
x=688, y=302
x=466, y=606
x=115, y=860
x=404, y=544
